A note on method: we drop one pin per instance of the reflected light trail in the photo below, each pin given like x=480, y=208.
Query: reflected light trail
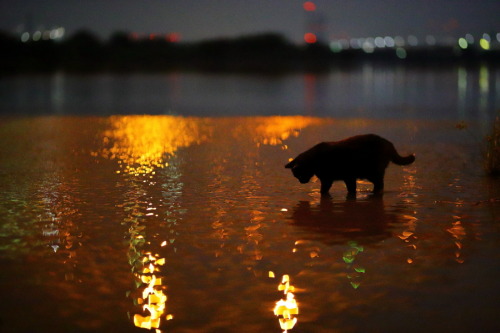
x=287, y=309
x=458, y=232
x=140, y=143
x=153, y=298
x=274, y=130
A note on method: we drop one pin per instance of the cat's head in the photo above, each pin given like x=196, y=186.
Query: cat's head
x=301, y=171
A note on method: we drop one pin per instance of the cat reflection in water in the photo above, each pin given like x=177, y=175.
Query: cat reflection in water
x=358, y=157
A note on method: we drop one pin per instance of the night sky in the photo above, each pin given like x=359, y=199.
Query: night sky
x=204, y=19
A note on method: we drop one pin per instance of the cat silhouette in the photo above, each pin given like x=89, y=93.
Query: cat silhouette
x=358, y=157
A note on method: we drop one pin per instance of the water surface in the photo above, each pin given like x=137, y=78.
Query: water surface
x=375, y=92
x=192, y=224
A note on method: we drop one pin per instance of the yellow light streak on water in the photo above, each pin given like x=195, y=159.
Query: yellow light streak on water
x=142, y=143
x=287, y=309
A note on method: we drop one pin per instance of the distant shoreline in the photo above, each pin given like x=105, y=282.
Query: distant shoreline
x=268, y=54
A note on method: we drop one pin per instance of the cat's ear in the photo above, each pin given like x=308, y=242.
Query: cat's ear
x=290, y=165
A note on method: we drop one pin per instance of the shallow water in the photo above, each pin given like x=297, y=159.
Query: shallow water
x=190, y=224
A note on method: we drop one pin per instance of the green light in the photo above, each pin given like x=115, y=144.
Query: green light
x=462, y=42
x=355, y=285
x=360, y=269
x=336, y=47
x=401, y=53
x=484, y=44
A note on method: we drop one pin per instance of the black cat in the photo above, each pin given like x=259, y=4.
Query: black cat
x=358, y=157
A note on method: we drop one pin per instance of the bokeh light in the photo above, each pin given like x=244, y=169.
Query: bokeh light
x=310, y=38
x=462, y=42
x=412, y=40
x=484, y=43
x=401, y=53
x=309, y=6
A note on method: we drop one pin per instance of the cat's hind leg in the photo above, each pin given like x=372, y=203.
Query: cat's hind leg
x=378, y=184
x=350, y=183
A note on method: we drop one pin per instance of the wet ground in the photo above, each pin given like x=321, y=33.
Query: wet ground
x=125, y=223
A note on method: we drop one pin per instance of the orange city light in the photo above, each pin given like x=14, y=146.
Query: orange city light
x=310, y=38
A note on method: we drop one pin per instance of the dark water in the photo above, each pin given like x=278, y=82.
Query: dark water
x=189, y=223
x=368, y=92
x=93, y=207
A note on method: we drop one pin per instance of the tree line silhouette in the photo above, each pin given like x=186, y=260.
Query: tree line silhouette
x=263, y=53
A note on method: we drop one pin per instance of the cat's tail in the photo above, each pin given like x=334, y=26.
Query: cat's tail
x=402, y=160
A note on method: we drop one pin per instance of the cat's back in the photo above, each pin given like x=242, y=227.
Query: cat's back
x=365, y=140
x=354, y=144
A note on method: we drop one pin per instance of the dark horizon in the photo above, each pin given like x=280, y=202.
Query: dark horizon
x=256, y=53
x=203, y=19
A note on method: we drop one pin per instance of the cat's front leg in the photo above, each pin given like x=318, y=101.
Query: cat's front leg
x=325, y=186
x=350, y=183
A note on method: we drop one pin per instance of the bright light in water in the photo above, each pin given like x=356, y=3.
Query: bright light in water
x=153, y=298
x=287, y=309
x=274, y=130
x=141, y=144
x=458, y=232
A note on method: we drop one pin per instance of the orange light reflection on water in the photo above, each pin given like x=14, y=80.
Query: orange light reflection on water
x=153, y=297
x=140, y=143
x=286, y=309
x=275, y=130
x=458, y=232
x=143, y=144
